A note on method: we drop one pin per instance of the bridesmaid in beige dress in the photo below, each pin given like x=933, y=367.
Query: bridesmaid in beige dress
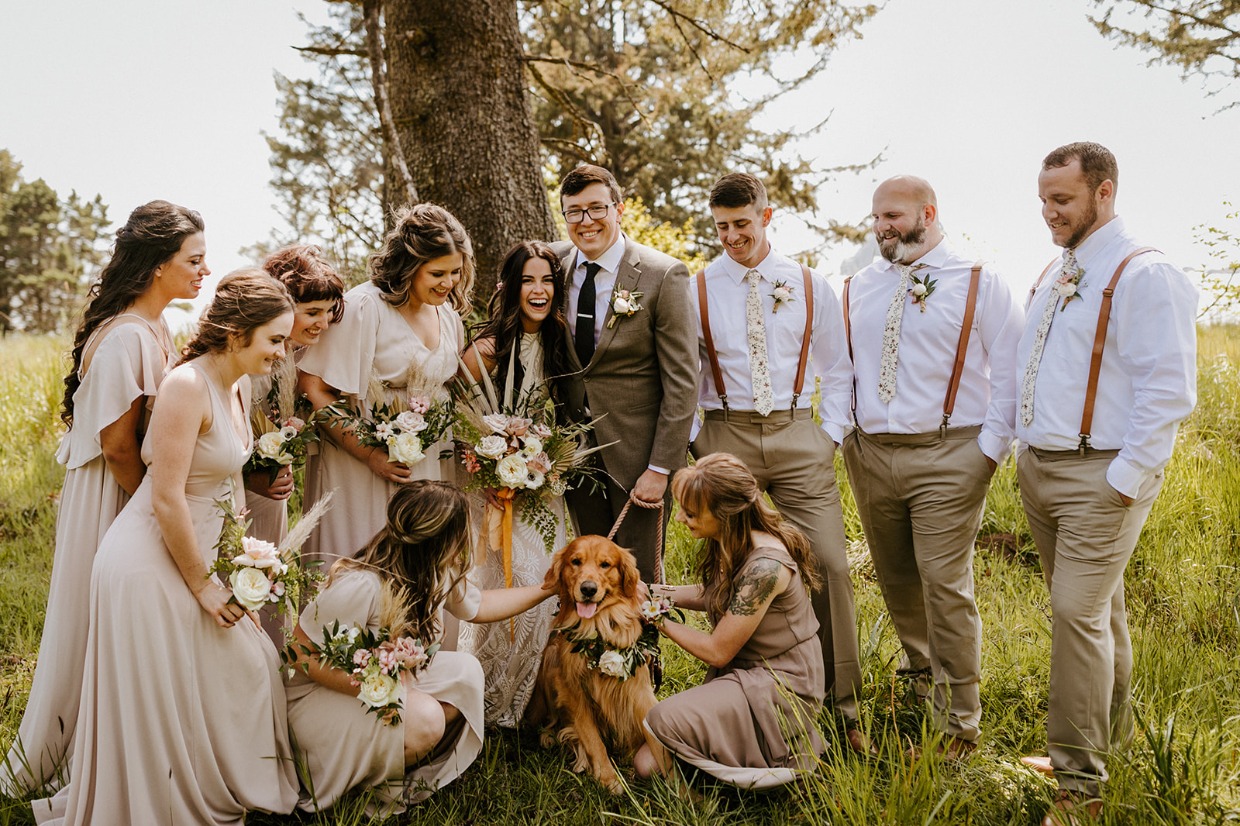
x=424, y=548
x=121, y=352
x=400, y=336
x=524, y=348
x=753, y=723
x=318, y=294
x=183, y=714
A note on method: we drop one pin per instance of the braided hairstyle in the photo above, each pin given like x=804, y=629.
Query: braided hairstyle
x=308, y=276
x=422, y=551
x=721, y=484
x=422, y=233
x=245, y=300
x=153, y=234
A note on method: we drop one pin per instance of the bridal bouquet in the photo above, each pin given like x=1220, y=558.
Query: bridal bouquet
x=518, y=452
x=259, y=572
x=375, y=663
x=404, y=427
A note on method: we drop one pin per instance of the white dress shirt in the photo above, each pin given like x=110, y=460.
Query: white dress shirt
x=727, y=292
x=604, y=283
x=1148, y=380
x=989, y=381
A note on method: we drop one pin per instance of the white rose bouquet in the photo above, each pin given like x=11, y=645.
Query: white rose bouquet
x=375, y=663
x=405, y=427
x=258, y=572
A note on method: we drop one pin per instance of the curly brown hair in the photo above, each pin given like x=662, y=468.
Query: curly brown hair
x=422, y=233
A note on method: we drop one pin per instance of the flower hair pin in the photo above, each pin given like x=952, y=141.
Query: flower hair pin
x=921, y=289
x=782, y=294
x=623, y=305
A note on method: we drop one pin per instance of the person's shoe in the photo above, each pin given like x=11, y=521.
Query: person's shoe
x=951, y=748
x=860, y=743
x=1039, y=763
x=1072, y=808
x=954, y=748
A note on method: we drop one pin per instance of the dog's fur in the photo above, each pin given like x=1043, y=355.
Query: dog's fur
x=579, y=705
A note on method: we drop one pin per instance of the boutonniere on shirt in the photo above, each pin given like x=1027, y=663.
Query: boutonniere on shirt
x=921, y=290
x=1068, y=286
x=782, y=294
x=623, y=305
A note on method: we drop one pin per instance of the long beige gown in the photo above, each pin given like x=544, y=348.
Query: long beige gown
x=343, y=746
x=130, y=361
x=181, y=721
x=753, y=722
x=374, y=339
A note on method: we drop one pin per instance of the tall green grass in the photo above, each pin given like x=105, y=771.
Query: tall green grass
x=1183, y=600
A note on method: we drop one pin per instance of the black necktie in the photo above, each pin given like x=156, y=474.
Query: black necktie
x=583, y=340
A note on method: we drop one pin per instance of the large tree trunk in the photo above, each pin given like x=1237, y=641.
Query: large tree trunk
x=458, y=102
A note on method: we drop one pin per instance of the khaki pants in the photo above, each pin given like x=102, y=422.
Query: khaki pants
x=920, y=499
x=792, y=460
x=1085, y=537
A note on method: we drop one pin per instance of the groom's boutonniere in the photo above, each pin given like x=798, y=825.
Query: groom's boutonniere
x=623, y=305
x=782, y=294
x=921, y=290
x=1068, y=285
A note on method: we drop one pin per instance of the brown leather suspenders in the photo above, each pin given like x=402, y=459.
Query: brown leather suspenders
x=713, y=356
x=1100, y=336
x=1100, y=339
x=962, y=345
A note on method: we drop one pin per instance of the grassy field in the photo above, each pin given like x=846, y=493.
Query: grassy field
x=1183, y=599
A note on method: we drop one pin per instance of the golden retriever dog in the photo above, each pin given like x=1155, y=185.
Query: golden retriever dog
x=585, y=695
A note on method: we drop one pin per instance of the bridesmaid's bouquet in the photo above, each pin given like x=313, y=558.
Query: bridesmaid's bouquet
x=259, y=572
x=404, y=427
x=375, y=663
x=283, y=424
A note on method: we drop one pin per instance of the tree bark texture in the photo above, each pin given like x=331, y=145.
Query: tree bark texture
x=459, y=104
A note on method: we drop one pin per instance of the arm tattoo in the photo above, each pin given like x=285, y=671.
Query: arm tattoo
x=756, y=583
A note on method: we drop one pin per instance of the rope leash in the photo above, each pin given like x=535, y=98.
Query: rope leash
x=658, y=542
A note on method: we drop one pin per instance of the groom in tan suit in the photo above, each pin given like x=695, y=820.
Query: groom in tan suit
x=634, y=342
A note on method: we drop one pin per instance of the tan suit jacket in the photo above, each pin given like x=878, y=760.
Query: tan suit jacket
x=641, y=384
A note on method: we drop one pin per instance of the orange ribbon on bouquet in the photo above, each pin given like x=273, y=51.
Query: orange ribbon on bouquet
x=499, y=535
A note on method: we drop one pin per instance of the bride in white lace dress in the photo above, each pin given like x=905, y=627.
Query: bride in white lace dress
x=524, y=348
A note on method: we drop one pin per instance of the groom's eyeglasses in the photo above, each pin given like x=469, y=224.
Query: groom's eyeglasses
x=576, y=216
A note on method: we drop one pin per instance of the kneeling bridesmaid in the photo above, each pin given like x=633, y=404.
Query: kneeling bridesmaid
x=397, y=585
x=753, y=723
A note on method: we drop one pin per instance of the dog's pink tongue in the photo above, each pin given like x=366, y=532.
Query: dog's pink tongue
x=585, y=610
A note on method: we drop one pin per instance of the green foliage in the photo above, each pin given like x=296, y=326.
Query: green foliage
x=326, y=157
x=1182, y=586
x=1220, y=290
x=1202, y=37
x=675, y=240
x=666, y=95
x=49, y=249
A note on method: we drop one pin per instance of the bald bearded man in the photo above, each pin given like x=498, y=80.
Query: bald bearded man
x=933, y=339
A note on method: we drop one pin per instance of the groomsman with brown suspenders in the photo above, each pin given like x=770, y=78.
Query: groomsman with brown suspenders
x=767, y=327
x=1109, y=361
x=932, y=337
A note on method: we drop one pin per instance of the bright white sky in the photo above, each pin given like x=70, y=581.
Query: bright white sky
x=143, y=99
